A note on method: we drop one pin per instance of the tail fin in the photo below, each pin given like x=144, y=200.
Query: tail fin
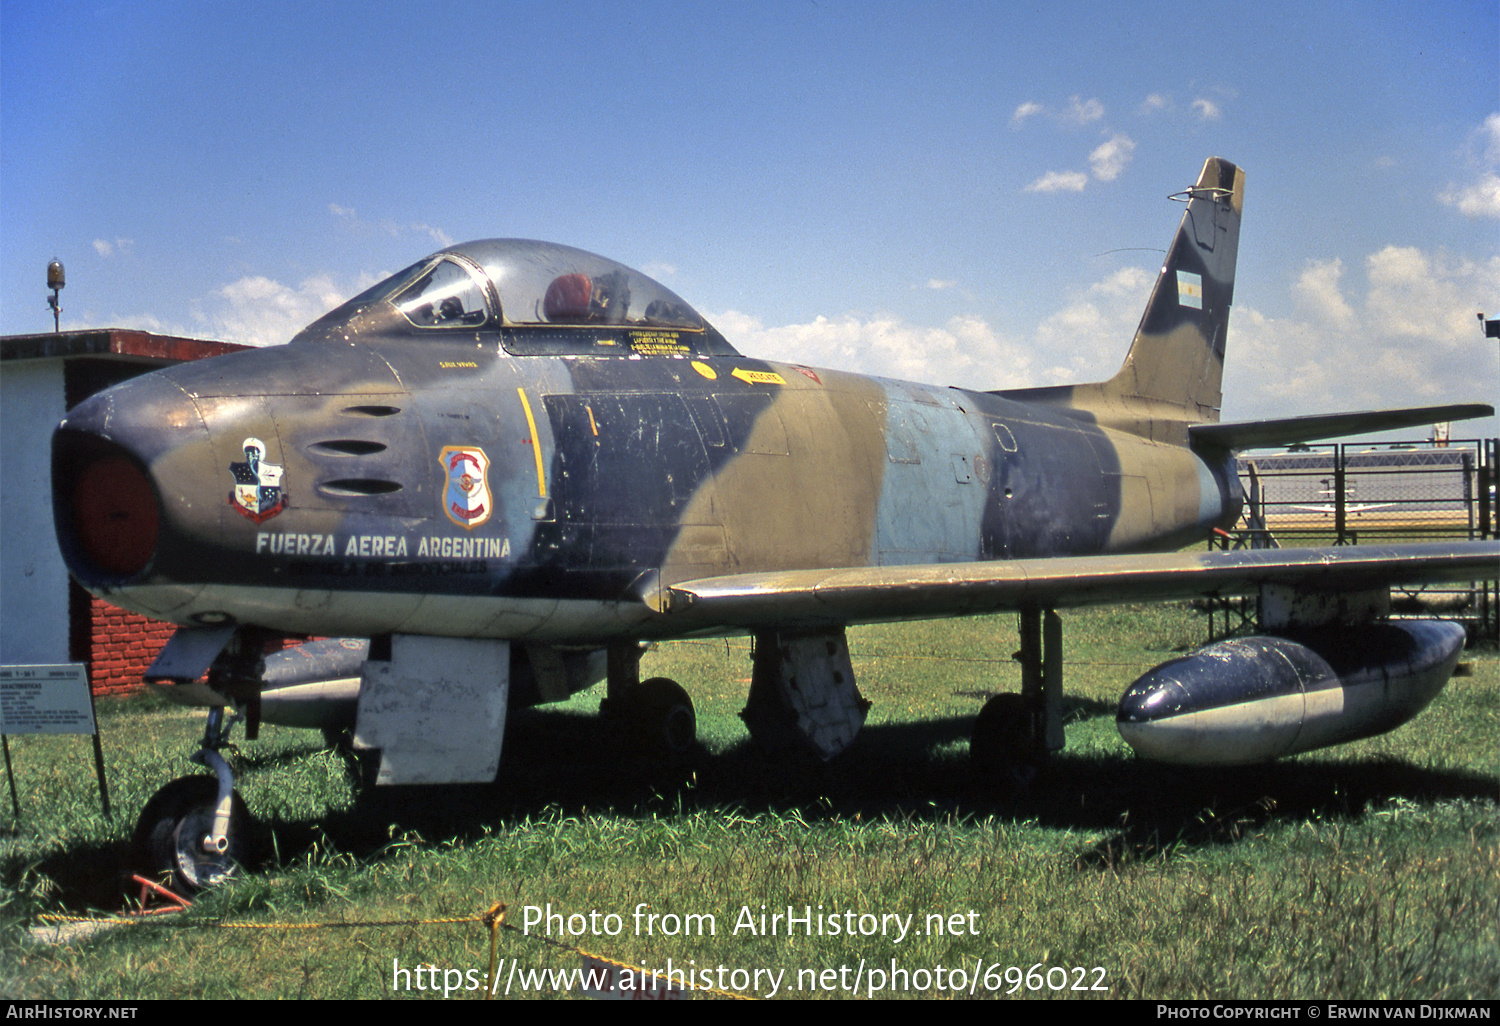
x=1177, y=355
x=1172, y=377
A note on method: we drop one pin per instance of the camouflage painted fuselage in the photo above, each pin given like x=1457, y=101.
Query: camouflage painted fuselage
x=545, y=482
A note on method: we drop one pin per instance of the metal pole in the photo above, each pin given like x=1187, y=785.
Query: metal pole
x=15, y=803
x=1471, y=476
x=1052, y=682
x=1338, y=494
x=98, y=754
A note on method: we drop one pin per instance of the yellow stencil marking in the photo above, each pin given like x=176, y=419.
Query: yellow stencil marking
x=592, y=423
x=536, y=443
x=704, y=369
x=755, y=377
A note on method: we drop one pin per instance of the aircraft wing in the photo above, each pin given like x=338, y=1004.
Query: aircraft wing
x=806, y=598
x=1255, y=434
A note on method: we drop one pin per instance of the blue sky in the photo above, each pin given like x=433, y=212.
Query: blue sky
x=968, y=194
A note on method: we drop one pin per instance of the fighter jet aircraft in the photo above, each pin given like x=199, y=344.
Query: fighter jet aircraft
x=513, y=463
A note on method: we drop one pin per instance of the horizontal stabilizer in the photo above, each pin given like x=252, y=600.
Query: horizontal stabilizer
x=798, y=598
x=1257, y=434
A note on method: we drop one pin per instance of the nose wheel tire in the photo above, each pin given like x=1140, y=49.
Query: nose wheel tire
x=168, y=842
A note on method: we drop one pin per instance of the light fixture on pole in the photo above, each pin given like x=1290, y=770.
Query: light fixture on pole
x=56, y=279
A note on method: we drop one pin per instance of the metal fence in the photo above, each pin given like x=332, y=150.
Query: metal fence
x=1350, y=492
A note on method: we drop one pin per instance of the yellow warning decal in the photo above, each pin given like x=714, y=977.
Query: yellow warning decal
x=654, y=343
x=704, y=369
x=754, y=377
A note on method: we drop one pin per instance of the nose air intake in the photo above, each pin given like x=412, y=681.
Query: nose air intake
x=108, y=514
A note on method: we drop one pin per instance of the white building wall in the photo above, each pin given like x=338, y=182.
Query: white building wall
x=33, y=579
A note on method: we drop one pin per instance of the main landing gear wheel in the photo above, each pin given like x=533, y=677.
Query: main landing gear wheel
x=669, y=723
x=658, y=718
x=168, y=842
x=1004, y=746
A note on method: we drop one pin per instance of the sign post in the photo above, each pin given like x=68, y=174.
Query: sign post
x=49, y=699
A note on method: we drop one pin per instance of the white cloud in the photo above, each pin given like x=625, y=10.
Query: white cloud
x=259, y=311
x=938, y=284
x=1207, y=110
x=1131, y=284
x=1077, y=112
x=966, y=350
x=1154, y=103
x=437, y=235
x=1060, y=181
x=1481, y=197
x=88, y=320
x=1087, y=338
x=1111, y=157
x=1317, y=294
x=1085, y=341
x=1107, y=161
x=1410, y=339
x=395, y=230
x=254, y=310
x=1025, y=111
x=1406, y=335
x=106, y=248
x=1430, y=298
x=1082, y=112
x=1488, y=135
x=1272, y=369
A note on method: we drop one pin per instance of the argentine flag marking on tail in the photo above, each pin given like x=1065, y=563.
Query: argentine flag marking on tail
x=1189, y=290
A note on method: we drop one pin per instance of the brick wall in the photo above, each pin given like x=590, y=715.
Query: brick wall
x=123, y=645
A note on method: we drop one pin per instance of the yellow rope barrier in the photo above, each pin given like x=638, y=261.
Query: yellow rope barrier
x=493, y=919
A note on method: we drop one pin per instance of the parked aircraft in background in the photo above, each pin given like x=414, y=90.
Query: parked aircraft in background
x=512, y=463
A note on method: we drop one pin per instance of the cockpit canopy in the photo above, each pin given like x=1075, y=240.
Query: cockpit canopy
x=500, y=284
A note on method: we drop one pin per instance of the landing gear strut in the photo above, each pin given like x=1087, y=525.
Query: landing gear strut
x=656, y=715
x=1014, y=733
x=194, y=833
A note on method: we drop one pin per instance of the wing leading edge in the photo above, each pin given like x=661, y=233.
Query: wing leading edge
x=808, y=598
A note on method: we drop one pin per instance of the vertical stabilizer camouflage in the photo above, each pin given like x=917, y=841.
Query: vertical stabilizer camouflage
x=1177, y=355
x=1172, y=376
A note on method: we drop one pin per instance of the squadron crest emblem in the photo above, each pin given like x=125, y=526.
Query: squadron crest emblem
x=257, y=484
x=466, y=498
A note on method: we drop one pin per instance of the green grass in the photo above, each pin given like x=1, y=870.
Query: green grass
x=1368, y=871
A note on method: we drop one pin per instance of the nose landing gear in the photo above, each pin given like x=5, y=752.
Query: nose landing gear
x=195, y=832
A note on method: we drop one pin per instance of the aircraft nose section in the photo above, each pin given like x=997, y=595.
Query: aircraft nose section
x=109, y=501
